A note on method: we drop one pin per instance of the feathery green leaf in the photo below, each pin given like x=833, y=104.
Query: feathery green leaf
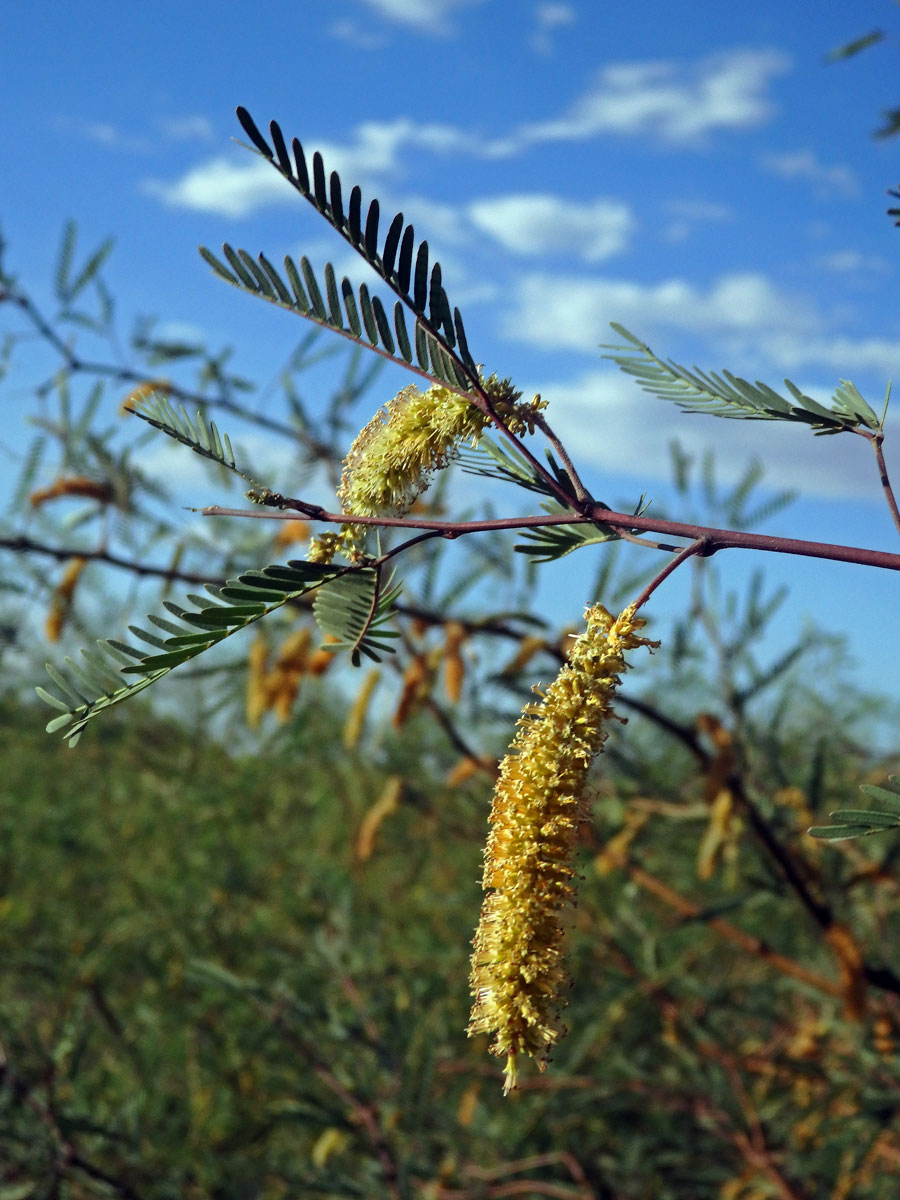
x=89, y=688
x=859, y=822
x=201, y=435
x=353, y=609
x=727, y=395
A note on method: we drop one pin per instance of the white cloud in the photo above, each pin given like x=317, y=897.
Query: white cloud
x=700, y=210
x=674, y=103
x=549, y=17
x=356, y=35
x=185, y=332
x=536, y=224
x=687, y=214
x=743, y=321
x=238, y=187
x=191, y=128
x=853, y=262
x=427, y=16
x=102, y=133
x=178, y=469
x=225, y=187
x=671, y=102
x=840, y=353
x=442, y=224
x=573, y=312
x=804, y=165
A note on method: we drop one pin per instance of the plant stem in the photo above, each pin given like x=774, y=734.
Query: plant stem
x=877, y=440
x=713, y=539
x=683, y=555
x=582, y=495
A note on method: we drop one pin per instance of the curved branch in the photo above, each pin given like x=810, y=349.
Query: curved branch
x=73, y=363
x=698, y=547
x=27, y=545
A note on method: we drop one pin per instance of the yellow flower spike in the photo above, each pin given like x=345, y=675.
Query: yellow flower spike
x=518, y=979
x=392, y=459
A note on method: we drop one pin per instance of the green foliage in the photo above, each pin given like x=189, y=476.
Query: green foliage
x=353, y=613
x=94, y=685
x=438, y=348
x=891, y=124
x=343, y=314
x=727, y=395
x=549, y=542
x=858, y=822
x=200, y=434
x=68, y=285
x=207, y=987
x=243, y=975
x=509, y=465
x=354, y=609
x=849, y=49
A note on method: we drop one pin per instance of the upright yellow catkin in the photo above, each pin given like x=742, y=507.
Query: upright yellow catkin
x=518, y=979
x=392, y=459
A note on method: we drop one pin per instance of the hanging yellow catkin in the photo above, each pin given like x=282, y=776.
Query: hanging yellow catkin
x=74, y=485
x=518, y=978
x=291, y=664
x=528, y=647
x=322, y=659
x=416, y=684
x=291, y=532
x=386, y=804
x=468, y=766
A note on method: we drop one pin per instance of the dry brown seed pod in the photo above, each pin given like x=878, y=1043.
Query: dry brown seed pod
x=61, y=601
x=388, y=802
x=528, y=647
x=415, y=684
x=291, y=532
x=74, y=485
x=356, y=717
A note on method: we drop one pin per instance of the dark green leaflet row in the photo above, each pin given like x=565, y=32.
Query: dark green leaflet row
x=353, y=609
x=336, y=307
x=862, y=822
x=402, y=265
x=201, y=435
x=95, y=684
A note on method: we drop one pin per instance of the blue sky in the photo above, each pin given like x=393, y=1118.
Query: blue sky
x=694, y=171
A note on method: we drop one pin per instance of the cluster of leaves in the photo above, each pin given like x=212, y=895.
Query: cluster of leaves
x=859, y=822
x=890, y=126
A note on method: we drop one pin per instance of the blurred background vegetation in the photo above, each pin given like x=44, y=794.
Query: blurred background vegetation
x=235, y=923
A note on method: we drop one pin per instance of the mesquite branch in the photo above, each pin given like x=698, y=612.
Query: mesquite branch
x=713, y=540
